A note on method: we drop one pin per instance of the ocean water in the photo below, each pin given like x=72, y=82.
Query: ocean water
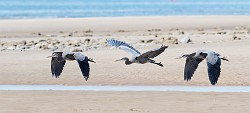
x=116, y=8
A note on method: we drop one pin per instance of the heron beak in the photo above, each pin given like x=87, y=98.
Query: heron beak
x=179, y=57
x=186, y=55
x=118, y=60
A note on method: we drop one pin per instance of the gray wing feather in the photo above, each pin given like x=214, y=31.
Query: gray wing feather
x=153, y=53
x=214, y=71
x=57, y=64
x=191, y=66
x=124, y=46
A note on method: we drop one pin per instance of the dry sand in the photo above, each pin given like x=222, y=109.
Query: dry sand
x=32, y=67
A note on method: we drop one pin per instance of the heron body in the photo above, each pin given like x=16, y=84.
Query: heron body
x=59, y=59
x=213, y=64
x=137, y=57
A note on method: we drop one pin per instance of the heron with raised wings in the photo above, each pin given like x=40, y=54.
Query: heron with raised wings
x=59, y=59
x=213, y=64
x=137, y=57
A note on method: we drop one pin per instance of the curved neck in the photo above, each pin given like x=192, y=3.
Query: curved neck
x=127, y=62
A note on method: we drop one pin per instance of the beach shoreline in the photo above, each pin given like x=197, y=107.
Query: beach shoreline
x=56, y=25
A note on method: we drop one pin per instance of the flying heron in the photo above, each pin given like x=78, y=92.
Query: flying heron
x=59, y=59
x=213, y=64
x=137, y=57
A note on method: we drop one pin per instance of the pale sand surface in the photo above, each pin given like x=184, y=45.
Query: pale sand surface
x=32, y=67
x=122, y=102
x=26, y=27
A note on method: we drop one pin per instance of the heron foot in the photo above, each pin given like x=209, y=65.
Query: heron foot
x=224, y=58
x=159, y=64
x=91, y=60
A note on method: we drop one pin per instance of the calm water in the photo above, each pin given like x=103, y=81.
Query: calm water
x=114, y=8
x=126, y=88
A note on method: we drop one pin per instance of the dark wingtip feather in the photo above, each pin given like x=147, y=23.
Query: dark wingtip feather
x=86, y=78
x=186, y=78
x=84, y=66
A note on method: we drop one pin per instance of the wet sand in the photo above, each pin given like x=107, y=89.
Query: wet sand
x=122, y=102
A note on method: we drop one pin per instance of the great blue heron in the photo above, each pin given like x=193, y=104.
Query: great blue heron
x=59, y=59
x=137, y=57
x=213, y=64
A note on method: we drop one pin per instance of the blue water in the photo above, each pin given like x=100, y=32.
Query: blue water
x=116, y=8
x=125, y=88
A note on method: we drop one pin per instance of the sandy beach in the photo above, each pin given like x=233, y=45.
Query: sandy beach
x=122, y=102
x=227, y=35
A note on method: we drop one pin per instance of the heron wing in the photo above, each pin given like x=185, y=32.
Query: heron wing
x=57, y=64
x=83, y=64
x=124, y=46
x=191, y=66
x=153, y=53
x=214, y=71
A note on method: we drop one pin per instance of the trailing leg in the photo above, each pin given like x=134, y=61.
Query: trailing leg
x=224, y=58
x=152, y=61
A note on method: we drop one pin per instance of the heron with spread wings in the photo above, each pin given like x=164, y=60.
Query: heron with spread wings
x=59, y=59
x=137, y=57
x=213, y=64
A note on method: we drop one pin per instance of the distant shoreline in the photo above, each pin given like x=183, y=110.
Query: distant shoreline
x=22, y=26
x=37, y=18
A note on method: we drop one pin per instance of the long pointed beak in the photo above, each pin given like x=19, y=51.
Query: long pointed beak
x=186, y=55
x=118, y=60
x=179, y=57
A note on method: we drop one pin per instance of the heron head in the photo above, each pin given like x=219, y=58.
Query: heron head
x=200, y=54
x=55, y=54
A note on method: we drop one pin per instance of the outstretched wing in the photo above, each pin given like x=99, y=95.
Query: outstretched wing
x=191, y=66
x=83, y=64
x=57, y=64
x=153, y=53
x=124, y=46
x=214, y=71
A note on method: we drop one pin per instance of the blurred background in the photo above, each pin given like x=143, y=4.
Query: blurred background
x=11, y=9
